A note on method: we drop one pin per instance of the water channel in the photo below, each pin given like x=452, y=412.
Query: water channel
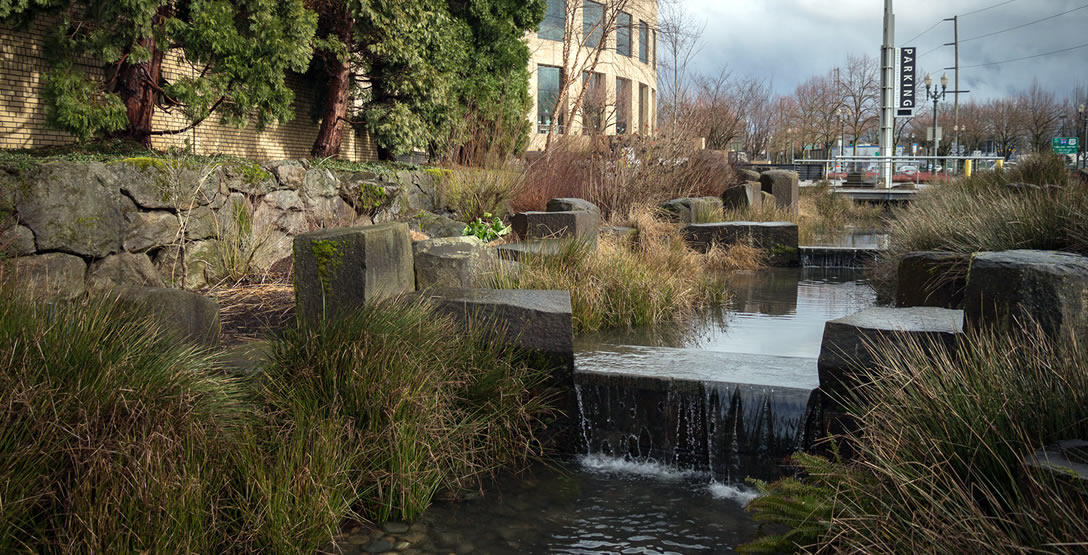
x=673, y=420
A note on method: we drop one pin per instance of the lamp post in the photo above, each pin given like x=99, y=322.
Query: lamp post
x=1081, y=150
x=934, y=94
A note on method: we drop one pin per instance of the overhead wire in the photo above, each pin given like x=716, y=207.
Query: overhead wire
x=973, y=12
x=1022, y=25
x=1027, y=57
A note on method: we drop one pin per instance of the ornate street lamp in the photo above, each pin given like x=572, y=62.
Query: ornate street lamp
x=934, y=94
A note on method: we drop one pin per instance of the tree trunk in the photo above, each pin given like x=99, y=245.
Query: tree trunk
x=137, y=84
x=338, y=83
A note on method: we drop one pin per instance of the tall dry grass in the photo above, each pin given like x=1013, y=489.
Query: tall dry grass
x=941, y=453
x=984, y=213
x=621, y=176
x=654, y=278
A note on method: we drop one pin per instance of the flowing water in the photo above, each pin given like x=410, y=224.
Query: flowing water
x=673, y=419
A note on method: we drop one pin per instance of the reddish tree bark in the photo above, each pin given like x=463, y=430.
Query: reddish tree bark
x=137, y=84
x=330, y=134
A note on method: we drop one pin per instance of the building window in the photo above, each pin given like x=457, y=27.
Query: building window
x=653, y=51
x=552, y=28
x=548, y=85
x=643, y=42
x=623, y=105
x=643, y=104
x=594, y=104
x=593, y=23
x=623, y=34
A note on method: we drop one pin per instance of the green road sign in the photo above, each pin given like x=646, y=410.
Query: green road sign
x=1064, y=145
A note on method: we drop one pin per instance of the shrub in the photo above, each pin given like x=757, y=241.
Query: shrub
x=941, y=450
x=623, y=176
x=472, y=192
x=423, y=408
x=485, y=230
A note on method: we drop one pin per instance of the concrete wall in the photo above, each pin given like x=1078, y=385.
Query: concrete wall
x=611, y=64
x=23, y=110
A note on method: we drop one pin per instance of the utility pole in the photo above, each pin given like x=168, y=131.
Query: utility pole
x=956, y=92
x=887, y=96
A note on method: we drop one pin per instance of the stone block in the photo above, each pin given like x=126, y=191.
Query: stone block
x=186, y=316
x=743, y=196
x=155, y=185
x=148, y=230
x=123, y=270
x=694, y=210
x=844, y=354
x=437, y=225
x=931, y=278
x=572, y=205
x=16, y=240
x=580, y=225
x=289, y=173
x=46, y=276
x=785, y=185
x=779, y=239
x=622, y=234
x=519, y=252
x=1048, y=287
x=538, y=322
x=452, y=262
x=200, y=260
x=338, y=270
x=747, y=174
x=74, y=208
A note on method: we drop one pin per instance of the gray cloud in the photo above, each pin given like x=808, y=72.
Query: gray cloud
x=791, y=40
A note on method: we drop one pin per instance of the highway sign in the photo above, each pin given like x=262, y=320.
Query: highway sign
x=1064, y=145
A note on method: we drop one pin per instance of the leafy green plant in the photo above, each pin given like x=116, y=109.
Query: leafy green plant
x=485, y=230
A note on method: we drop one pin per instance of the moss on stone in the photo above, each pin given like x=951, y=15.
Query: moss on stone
x=327, y=258
x=252, y=173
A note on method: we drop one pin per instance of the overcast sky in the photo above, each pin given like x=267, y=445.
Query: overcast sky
x=790, y=40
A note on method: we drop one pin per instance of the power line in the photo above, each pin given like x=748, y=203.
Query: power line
x=1022, y=25
x=1028, y=57
x=986, y=8
x=932, y=27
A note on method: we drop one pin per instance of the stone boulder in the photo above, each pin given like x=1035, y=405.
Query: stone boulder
x=538, y=322
x=289, y=173
x=16, y=240
x=248, y=178
x=46, y=276
x=155, y=185
x=73, y=207
x=572, y=205
x=694, y=210
x=319, y=183
x=778, y=239
x=452, y=262
x=123, y=270
x=148, y=230
x=844, y=354
x=199, y=268
x=338, y=270
x=437, y=225
x=931, y=278
x=1048, y=287
x=581, y=225
x=784, y=185
x=744, y=196
x=188, y=317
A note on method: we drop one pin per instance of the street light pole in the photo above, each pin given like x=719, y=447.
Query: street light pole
x=1080, y=142
x=933, y=93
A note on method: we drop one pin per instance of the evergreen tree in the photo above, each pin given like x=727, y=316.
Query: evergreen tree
x=241, y=51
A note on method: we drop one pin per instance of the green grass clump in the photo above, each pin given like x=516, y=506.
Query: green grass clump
x=116, y=439
x=424, y=406
x=112, y=436
x=983, y=213
x=940, y=453
x=472, y=192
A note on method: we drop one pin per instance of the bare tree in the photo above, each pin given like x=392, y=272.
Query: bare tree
x=1006, y=124
x=1041, y=112
x=860, y=88
x=585, y=38
x=680, y=33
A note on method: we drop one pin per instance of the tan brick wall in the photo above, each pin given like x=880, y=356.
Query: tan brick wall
x=23, y=120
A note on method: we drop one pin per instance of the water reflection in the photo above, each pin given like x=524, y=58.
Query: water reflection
x=779, y=311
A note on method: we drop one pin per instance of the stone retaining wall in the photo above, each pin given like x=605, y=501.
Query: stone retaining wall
x=69, y=226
